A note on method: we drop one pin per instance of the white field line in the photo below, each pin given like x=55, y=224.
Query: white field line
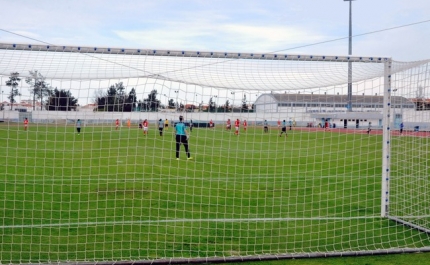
x=233, y=220
x=205, y=178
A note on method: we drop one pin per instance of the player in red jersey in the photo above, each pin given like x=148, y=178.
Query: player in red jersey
x=245, y=124
x=236, y=126
x=116, y=124
x=228, y=126
x=279, y=124
x=145, y=127
x=211, y=124
x=25, y=124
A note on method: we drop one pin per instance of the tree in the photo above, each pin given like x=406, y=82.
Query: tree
x=113, y=99
x=116, y=97
x=212, y=105
x=244, y=105
x=130, y=101
x=171, y=104
x=13, y=82
x=61, y=100
x=40, y=87
x=153, y=102
x=227, y=106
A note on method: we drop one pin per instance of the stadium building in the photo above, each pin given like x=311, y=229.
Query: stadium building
x=314, y=109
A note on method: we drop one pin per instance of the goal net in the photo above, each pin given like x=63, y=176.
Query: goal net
x=289, y=155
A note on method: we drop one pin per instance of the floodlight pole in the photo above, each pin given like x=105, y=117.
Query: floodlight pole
x=350, y=53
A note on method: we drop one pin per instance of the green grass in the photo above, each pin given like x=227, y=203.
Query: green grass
x=110, y=195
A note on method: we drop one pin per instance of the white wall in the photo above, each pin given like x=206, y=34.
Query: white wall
x=410, y=116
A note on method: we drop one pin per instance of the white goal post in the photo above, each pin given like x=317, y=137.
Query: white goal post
x=303, y=170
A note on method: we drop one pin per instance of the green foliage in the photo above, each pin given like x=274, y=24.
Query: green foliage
x=61, y=100
x=13, y=83
x=171, y=104
x=40, y=88
x=116, y=99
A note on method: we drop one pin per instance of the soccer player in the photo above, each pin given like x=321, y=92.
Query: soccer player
x=236, y=126
x=369, y=129
x=326, y=125
x=166, y=124
x=245, y=124
x=78, y=126
x=25, y=124
x=211, y=124
x=228, y=126
x=191, y=125
x=140, y=124
x=284, y=128
x=116, y=124
x=182, y=137
x=160, y=126
x=279, y=125
x=401, y=128
x=128, y=123
x=266, y=126
x=145, y=127
x=291, y=124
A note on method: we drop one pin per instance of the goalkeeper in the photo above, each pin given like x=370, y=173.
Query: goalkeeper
x=182, y=136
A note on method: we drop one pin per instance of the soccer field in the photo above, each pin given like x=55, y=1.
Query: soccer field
x=109, y=195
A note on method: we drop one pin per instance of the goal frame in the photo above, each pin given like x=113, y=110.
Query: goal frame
x=386, y=129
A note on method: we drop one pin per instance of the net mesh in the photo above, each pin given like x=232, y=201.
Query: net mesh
x=297, y=174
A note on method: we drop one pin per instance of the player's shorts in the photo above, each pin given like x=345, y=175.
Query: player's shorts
x=284, y=129
x=145, y=129
x=181, y=139
x=166, y=125
x=237, y=128
x=140, y=126
x=265, y=127
x=228, y=126
x=160, y=129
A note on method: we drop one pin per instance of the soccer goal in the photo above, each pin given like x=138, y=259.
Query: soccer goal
x=288, y=155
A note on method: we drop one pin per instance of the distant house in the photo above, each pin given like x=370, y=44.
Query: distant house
x=88, y=107
x=421, y=103
x=24, y=105
x=190, y=107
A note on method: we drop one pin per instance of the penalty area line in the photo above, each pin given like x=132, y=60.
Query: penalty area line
x=285, y=178
x=233, y=220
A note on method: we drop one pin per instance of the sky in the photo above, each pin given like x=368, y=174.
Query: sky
x=290, y=26
x=397, y=28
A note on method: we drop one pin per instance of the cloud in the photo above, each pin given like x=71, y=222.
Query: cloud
x=219, y=37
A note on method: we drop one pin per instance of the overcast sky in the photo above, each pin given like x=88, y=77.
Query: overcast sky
x=226, y=26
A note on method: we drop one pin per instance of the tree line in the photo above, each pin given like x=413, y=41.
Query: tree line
x=115, y=98
x=55, y=99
